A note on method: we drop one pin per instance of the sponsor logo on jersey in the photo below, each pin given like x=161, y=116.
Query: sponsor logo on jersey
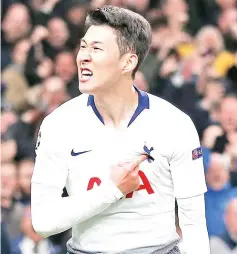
x=78, y=153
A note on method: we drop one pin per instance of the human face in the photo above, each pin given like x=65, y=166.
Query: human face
x=16, y=22
x=98, y=60
x=8, y=180
x=228, y=114
x=54, y=92
x=217, y=175
x=76, y=15
x=214, y=92
x=65, y=66
x=58, y=32
x=179, y=7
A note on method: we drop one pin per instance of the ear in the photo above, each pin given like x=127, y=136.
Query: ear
x=130, y=62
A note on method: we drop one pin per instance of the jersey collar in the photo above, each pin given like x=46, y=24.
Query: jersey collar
x=143, y=103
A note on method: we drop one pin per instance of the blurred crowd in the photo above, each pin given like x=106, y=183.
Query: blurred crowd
x=192, y=64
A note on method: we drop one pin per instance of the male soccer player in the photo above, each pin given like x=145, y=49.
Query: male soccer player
x=123, y=154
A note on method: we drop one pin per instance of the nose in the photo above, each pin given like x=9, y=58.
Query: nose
x=83, y=57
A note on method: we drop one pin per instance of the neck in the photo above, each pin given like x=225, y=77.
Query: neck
x=117, y=104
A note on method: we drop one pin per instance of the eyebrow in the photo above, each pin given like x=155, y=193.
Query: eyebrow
x=93, y=42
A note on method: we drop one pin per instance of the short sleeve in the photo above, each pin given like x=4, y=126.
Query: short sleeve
x=50, y=166
x=186, y=161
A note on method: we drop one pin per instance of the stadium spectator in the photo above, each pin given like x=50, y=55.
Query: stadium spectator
x=58, y=33
x=228, y=121
x=14, y=74
x=75, y=13
x=218, y=195
x=227, y=23
x=54, y=93
x=25, y=171
x=8, y=118
x=11, y=210
x=205, y=111
x=226, y=243
x=66, y=69
x=16, y=25
x=29, y=241
x=21, y=136
x=5, y=241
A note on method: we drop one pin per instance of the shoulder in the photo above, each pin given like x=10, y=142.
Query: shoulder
x=62, y=116
x=170, y=126
x=167, y=113
x=58, y=127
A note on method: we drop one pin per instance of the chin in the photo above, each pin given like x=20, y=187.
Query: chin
x=87, y=88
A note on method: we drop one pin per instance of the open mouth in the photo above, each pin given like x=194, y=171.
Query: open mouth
x=86, y=74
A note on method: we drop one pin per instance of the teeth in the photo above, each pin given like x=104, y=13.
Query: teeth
x=86, y=72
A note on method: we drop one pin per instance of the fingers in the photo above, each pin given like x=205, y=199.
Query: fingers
x=140, y=159
x=135, y=171
x=125, y=165
x=135, y=163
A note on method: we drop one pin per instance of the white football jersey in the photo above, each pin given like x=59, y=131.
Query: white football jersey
x=84, y=150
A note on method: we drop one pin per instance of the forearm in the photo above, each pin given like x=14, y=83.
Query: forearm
x=52, y=214
x=193, y=225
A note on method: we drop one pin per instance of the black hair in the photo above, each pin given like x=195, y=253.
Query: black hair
x=133, y=31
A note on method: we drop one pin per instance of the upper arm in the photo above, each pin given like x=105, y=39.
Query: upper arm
x=50, y=166
x=186, y=162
